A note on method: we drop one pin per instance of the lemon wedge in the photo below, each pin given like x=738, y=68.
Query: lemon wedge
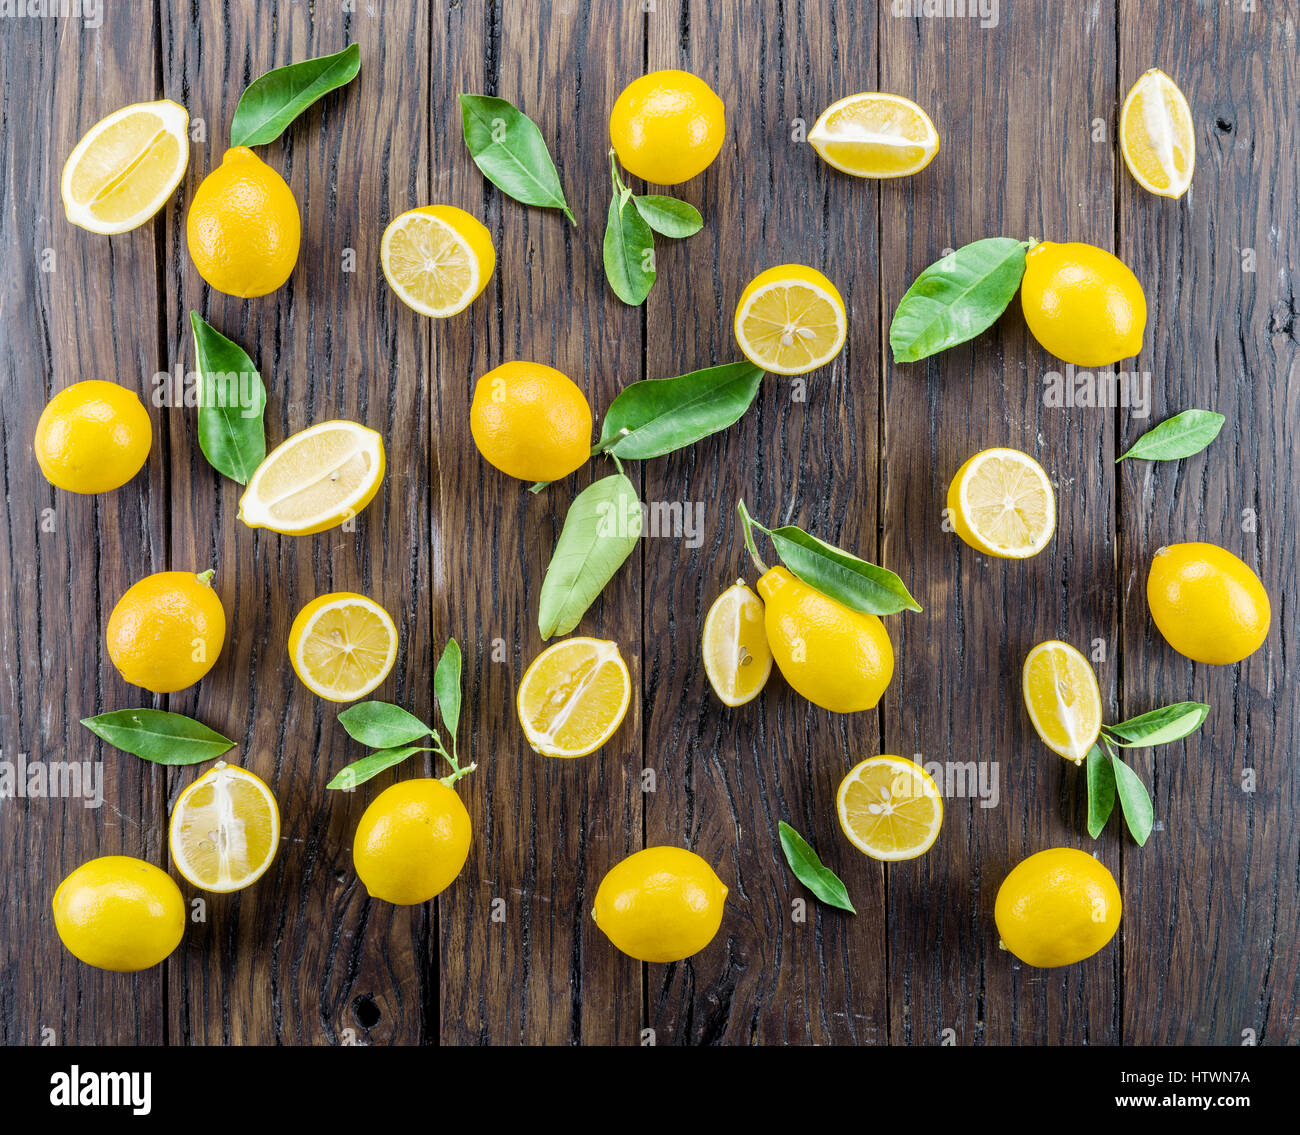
x=1063, y=699
x=1002, y=504
x=790, y=320
x=437, y=259
x=573, y=697
x=875, y=135
x=1157, y=136
x=224, y=829
x=342, y=645
x=737, y=659
x=890, y=808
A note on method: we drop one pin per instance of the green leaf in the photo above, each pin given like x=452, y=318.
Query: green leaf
x=158, y=736
x=599, y=533
x=1160, y=726
x=271, y=102
x=629, y=253
x=1101, y=791
x=371, y=765
x=668, y=216
x=510, y=150
x=1181, y=436
x=1134, y=800
x=957, y=298
x=382, y=725
x=446, y=686
x=845, y=578
x=808, y=869
x=660, y=415
x=232, y=402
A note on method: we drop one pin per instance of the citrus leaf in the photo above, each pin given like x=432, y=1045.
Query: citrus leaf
x=1181, y=436
x=1160, y=726
x=629, y=253
x=809, y=870
x=232, y=402
x=1101, y=791
x=382, y=725
x=159, y=736
x=509, y=149
x=1134, y=800
x=845, y=578
x=446, y=687
x=274, y=100
x=668, y=216
x=371, y=765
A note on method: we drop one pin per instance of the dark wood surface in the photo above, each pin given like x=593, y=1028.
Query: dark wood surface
x=860, y=453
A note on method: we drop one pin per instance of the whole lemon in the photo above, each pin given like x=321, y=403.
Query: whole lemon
x=243, y=228
x=1057, y=907
x=411, y=842
x=1207, y=603
x=92, y=437
x=531, y=421
x=662, y=904
x=166, y=632
x=667, y=126
x=838, y=658
x=119, y=913
x=1082, y=304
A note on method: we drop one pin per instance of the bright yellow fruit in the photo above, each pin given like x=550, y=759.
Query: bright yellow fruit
x=790, y=320
x=437, y=258
x=119, y=913
x=1157, y=136
x=838, y=658
x=875, y=135
x=243, y=228
x=661, y=904
x=1063, y=699
x=1209, y=605
x=167, y=631
x=1057, y=908
x=1082, y=304
x=1001, y=503
x=93, y=437
x=315, y=480
x=411, y=842
x=667, y=126
x=126, y=166
x=342, y=645
x=225, y=829
x=737, y=659
x=531, y=421
x=574, y=697
x=890, y=808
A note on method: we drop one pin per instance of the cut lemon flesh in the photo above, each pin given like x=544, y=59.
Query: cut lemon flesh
x=1063, y=699
x=126, y=167
x=890, y=808
x=342, y=645
x=875, y=135
x=437, y=259
x=224, y=829
x=315, y=480
x=737, y=659
x=790, y=320
x=1003, y=504
x=1157, y=136
x=573, y=697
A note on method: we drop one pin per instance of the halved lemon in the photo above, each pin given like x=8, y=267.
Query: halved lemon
x=890, y=808
x=1063, y=699
x=1157, y=136
x=437, y=259
x=342, y=645
x=316, y=479
x=573, y=697
x=225, y=829
x=790, y=320
x=875, y=135
x=1002, y=504
x=737, y=659
x=126, y=166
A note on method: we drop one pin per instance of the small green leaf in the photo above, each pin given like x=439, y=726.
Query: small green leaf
x=1101, y=790
x=509, y=149
x=1181, y=436
x=809, y=870
x=382, y=725
x=159, y=736
x=271, y=102
x=629, y=253
x=371, y=765
x=232, y=402
x=1160, y=726
x=668, y=216
x=1134, y=800
x=446, y=687
x=845, y=578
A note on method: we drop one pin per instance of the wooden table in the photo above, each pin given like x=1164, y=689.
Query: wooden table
x=860, y=453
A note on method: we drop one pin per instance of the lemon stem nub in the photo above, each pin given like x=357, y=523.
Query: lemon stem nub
x=206, y=577
x=747, y=527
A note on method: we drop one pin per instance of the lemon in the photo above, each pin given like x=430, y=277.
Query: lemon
x=667, y=126
x=342, y=645
x=119, y=913
x=790, y=320
x=1156, y=135
x=93, y=437
x=1062, y=697
x=225, y=829
x=1001, y=503
x=875, y=135
x=315, y=480
x=573, y=697
x=437, y=259
x=1056, y=908
x=126, y=166
x=411, y=842
x=661, y=904
x=1209, y=605
x=531, y=421
x=737, y=659
x=890, y=808
x=167, y=631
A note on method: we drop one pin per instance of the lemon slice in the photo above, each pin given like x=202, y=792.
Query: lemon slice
x=315, y=480
x=224, y=829
x=437, y=259
x=573, y=697
x=126, y=166
x=737, y=659
x=1002, y=504
x=1156, y=135
x=1063, y=699
x=790, y=320
x=875, y=135
x=342, y=645
x=889, y=808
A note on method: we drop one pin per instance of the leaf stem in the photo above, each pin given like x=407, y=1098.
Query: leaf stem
x=456, y=771
x=748, y=523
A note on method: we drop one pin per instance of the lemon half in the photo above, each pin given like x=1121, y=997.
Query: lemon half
x=342, y=645
x=225, y=829
x=790, y=320
x=1157, y=136
x=437, y=259
x=1002, y=504
x=737, y=659
x=875, y=135
x=573, y=697
x=890, y=808
x=1063, y=699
